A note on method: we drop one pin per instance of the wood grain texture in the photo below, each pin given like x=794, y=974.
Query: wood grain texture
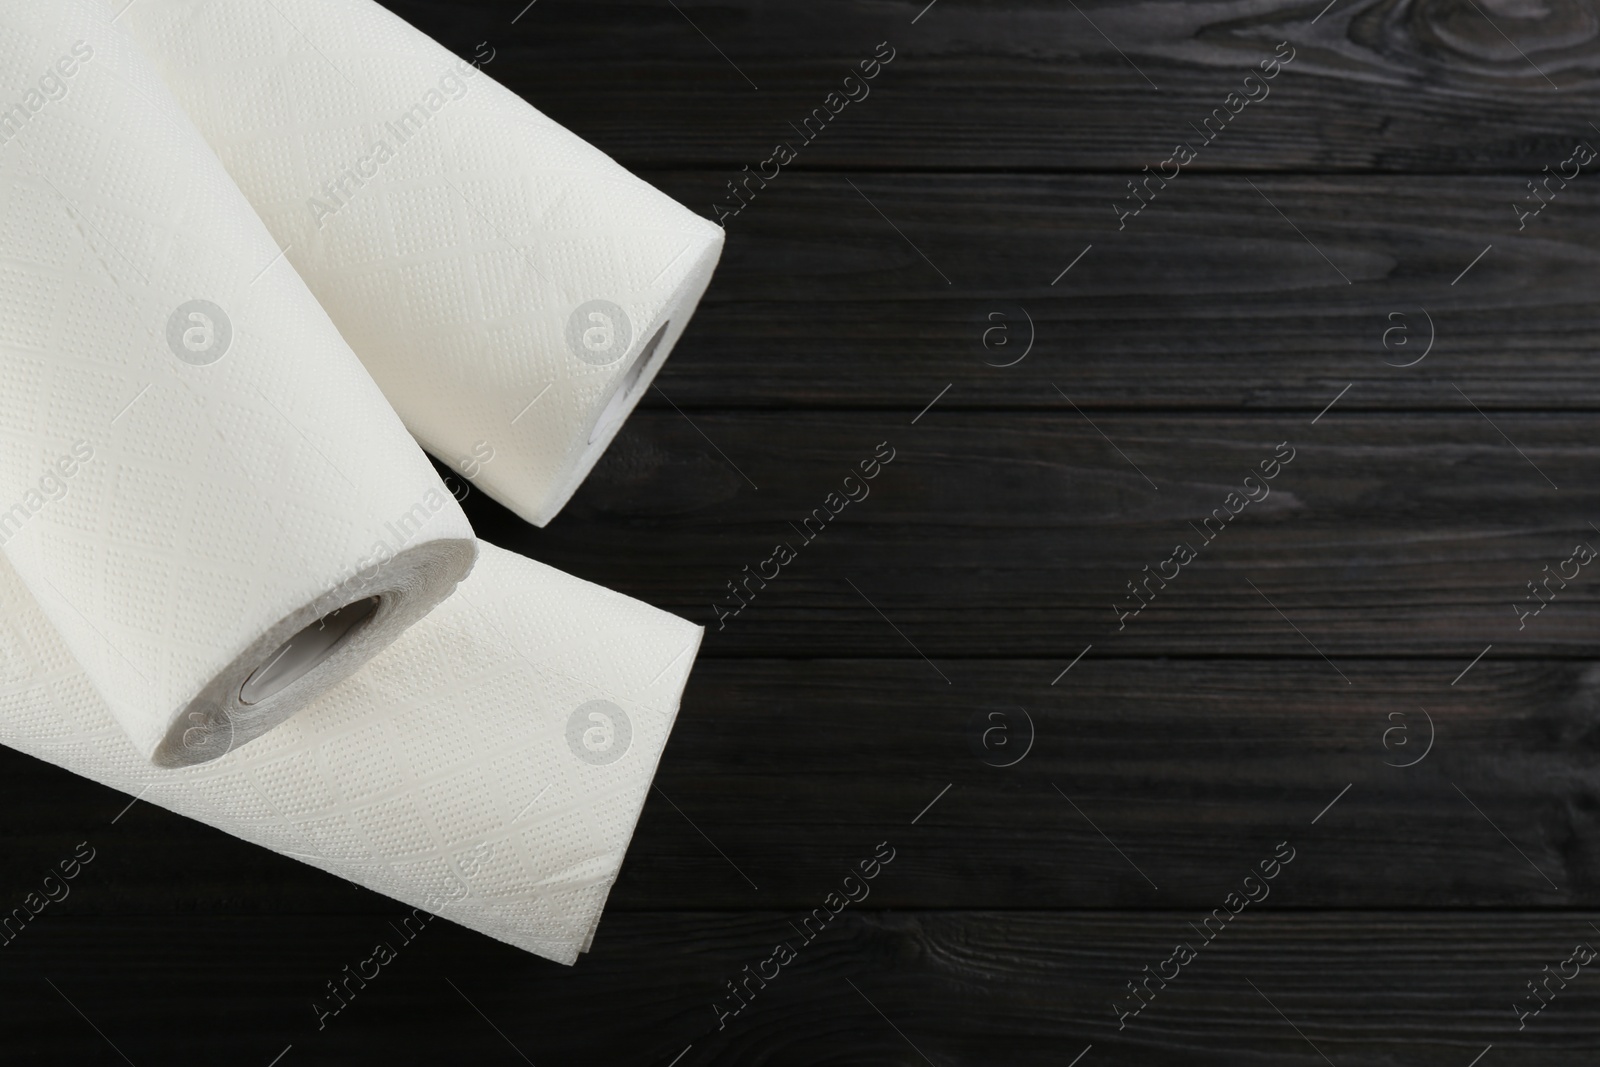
x=1393, y=85
x=1208, y=299
x=1016, y=534
x=786, y=772
x=953, y=988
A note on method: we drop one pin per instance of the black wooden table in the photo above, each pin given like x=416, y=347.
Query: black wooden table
x=1183, y=657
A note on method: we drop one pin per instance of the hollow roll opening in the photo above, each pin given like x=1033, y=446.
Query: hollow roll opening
x=296, y=657
x=622, y=396
x=309, y=650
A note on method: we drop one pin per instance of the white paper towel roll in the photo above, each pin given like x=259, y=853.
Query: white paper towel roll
x=511, y=288
x=199, y=483
x=489, y=766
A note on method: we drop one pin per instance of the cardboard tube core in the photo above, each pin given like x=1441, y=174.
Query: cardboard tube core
x=294, y=659
x=620, y=399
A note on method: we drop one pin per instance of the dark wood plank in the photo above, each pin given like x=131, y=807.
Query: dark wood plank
x=1191, y=767
x=993, y=85
x=1017, y=534
x=1365, y=989
x=1208, y=299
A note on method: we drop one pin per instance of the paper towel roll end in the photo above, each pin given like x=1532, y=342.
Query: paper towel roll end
x=312, y=649
x=528, y=490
